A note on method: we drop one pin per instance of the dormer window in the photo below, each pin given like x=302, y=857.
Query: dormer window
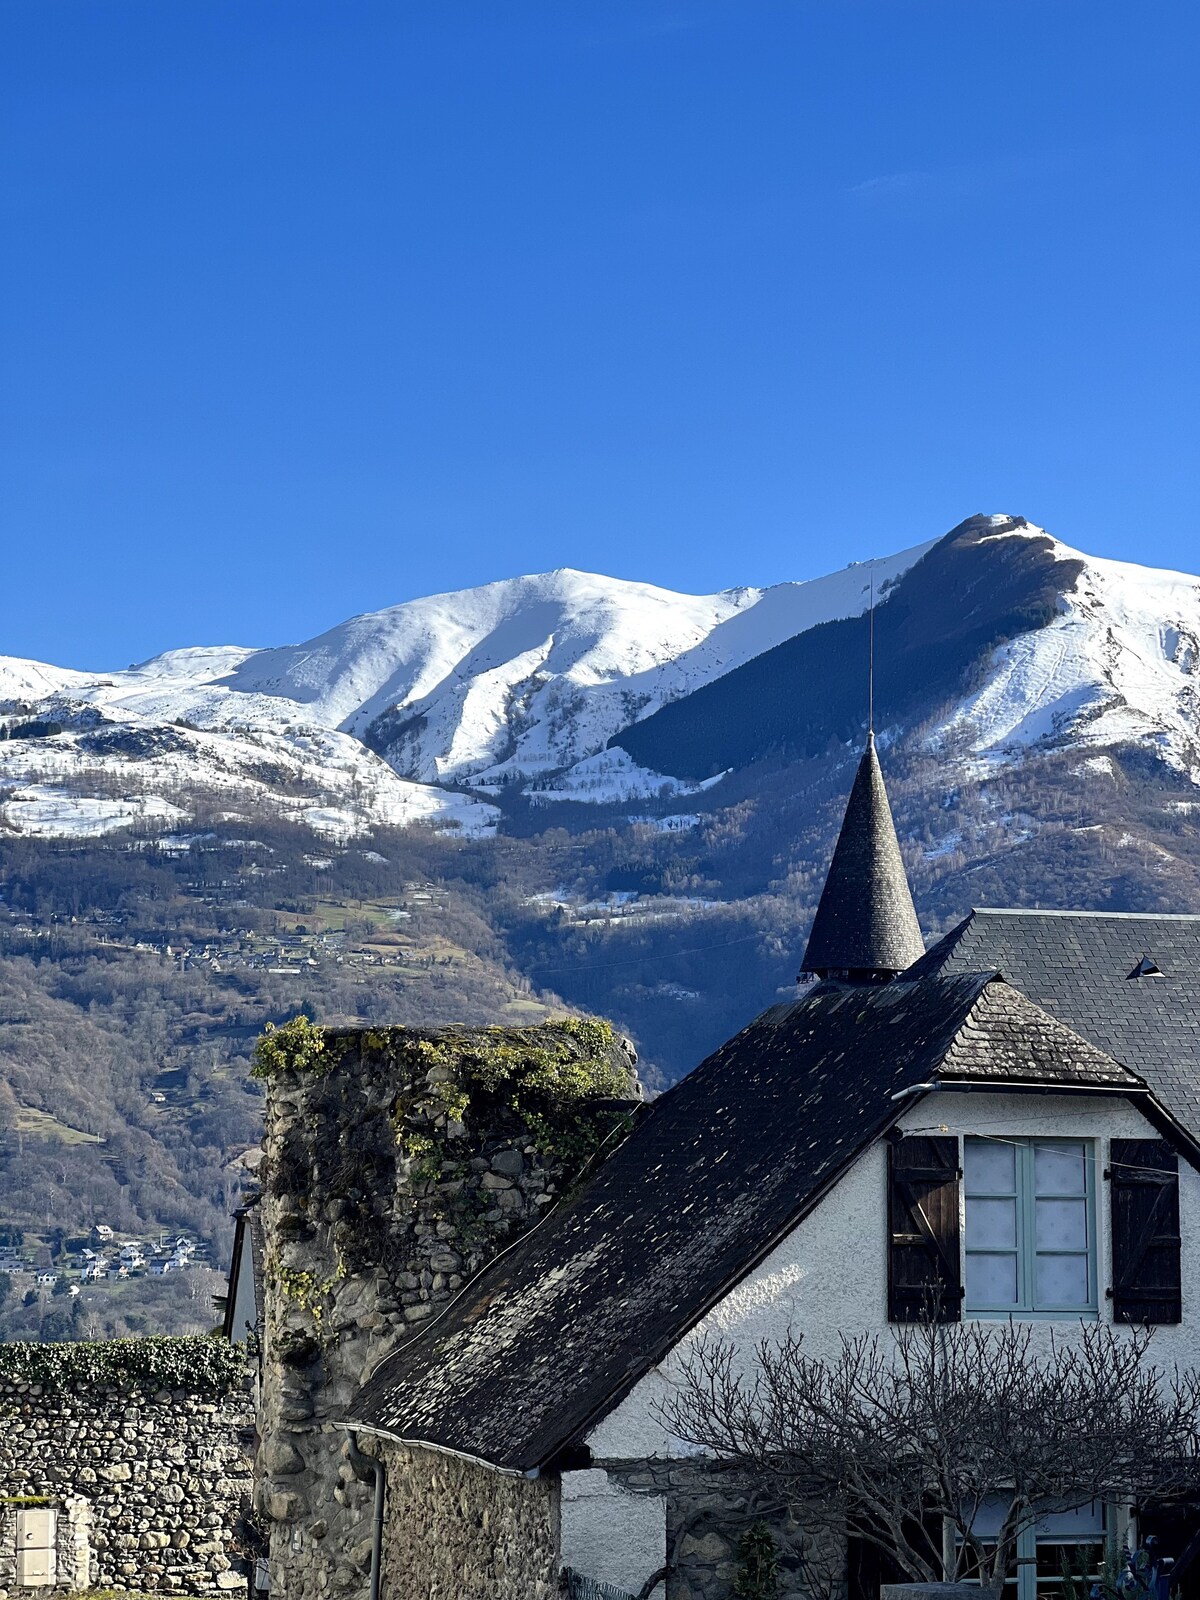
x=1031, y=1227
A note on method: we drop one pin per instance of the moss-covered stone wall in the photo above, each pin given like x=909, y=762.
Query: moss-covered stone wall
x=397, y=1163
x=153, y=1438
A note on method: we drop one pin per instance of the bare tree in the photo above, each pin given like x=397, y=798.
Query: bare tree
x=902, y=1440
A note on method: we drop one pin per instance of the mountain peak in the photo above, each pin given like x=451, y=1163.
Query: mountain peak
x=523, y=683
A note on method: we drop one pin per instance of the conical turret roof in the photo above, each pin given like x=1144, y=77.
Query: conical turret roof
x=865, y=924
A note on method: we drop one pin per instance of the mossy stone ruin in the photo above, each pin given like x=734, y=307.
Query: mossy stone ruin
x=397, y=1162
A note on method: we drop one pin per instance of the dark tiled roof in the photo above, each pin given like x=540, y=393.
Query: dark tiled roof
x=865, y=920
x=1078, y=965
x=549, y=1337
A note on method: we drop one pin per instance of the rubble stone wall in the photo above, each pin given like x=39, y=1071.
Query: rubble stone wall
x=454, y=1529
x=166, y=1476
x=708, y=1510
x=390, y=1176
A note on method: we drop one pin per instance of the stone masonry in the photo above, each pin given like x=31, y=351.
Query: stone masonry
x=166, y=1476
x=397, y=1162
x=455, y=1529
x=708, y=1512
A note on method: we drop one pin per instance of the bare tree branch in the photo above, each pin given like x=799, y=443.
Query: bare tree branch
x=898, y=1437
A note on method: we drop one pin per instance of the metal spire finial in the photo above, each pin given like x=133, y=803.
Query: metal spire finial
x=871, y=662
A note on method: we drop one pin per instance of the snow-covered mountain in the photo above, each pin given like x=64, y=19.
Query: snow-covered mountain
x=1117, y=665
x=430, y=710
x=525, y=677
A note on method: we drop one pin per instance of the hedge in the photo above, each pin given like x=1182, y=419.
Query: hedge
x=198, y=1363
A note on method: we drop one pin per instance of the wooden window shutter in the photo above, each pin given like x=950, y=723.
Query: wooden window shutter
x=1144, y=1175
x=924, y=1253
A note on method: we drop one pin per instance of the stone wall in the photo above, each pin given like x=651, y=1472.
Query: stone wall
x=454, y=1529
x=166, y=1476
x=708, y=1510
x=397, y=1162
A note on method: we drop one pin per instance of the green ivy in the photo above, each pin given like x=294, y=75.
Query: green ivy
x=198, y=1363
x=296, y=1046
x=546, y=1076
x=305, y=1291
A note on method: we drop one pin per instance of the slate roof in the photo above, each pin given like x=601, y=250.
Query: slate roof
x=1078, y=965
x=550, y=1336
x=865, y=919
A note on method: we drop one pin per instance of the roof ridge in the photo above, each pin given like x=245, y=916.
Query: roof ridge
x=1039, y=911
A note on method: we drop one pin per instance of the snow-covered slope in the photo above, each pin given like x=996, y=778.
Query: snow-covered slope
x=527, y=676
x=1117, y=665
x=162, y=741
x=389, y=717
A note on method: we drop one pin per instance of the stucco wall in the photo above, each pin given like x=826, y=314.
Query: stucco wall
x=453, y=1530
x=830, y=1275
x=592, y=1505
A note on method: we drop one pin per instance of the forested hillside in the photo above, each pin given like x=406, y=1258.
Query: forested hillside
x=136, y=973
x=1037, y=723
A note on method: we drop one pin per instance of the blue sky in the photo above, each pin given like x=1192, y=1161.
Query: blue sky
x=311, y=307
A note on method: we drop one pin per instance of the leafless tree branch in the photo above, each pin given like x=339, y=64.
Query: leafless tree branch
x=899, y=1437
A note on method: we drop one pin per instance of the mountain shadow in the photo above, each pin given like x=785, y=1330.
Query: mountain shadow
x=934, y=634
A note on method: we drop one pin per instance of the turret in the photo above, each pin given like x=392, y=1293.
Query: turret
x=865, y=929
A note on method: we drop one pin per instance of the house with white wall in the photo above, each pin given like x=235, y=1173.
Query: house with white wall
x=910, y=1130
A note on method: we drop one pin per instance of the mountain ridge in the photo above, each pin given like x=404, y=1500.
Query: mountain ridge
x=571, y=687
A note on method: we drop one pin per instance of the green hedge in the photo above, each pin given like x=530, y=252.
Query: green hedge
x=199, y=1363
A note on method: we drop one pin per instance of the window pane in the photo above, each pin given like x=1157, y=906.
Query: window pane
x=991, y=1279
x=1059, y=1169
x=1061, y=1224
x=1062, y=1281
x=990, y=1168
x=992, y=1224
x=1083, y=1523
x=1081, y=1561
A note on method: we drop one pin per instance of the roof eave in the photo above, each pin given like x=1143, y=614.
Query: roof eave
x=376, y=1432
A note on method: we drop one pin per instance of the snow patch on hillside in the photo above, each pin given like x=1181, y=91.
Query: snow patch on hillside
x=42, y=811
x=613, y=778
x=1117, y=665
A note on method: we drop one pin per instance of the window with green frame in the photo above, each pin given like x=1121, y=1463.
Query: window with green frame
x=1030, y=1226
x=1067, y=1545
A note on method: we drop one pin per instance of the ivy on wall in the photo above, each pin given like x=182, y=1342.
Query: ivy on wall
x=548, y=1078
x=411, y=1111
x=198, y=1363
x=296, y=1046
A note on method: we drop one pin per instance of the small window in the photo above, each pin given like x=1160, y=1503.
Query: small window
x=1063, y=1553
x=1031, y=1226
